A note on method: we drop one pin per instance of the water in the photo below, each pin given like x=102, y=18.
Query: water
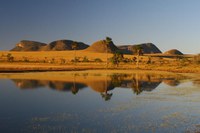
x=99, y=101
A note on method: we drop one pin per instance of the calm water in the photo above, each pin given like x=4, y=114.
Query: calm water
x=99, y=102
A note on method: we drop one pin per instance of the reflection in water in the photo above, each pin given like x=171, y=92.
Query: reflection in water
x=171, y=82
x=196, y=82
x=56, y=85
x=104, y=84
x=133, y=104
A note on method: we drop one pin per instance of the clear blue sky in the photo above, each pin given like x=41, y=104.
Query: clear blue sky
x=166, y=23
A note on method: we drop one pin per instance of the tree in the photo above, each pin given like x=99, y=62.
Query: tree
x=108, y=41
x=74, y=47
x=117, y=58
x=74, y=89
x=138, y=50
x=10, y=58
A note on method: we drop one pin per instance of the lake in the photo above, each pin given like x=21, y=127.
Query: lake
x=99, y=101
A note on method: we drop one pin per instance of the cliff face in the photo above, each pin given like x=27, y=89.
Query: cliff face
x=148, y=48
x=102, y=47
x=59, y=45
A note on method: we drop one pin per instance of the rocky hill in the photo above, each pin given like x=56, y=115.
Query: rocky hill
x=173, y=52
x=102, y=47
x=59, y=45
x=148, y=48
x=26, y=45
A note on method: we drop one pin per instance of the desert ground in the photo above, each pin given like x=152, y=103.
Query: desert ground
x=85, y=60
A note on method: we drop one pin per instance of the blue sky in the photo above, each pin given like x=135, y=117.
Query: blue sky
x=166, y=23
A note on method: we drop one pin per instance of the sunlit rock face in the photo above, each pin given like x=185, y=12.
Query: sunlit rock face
x=102, y=47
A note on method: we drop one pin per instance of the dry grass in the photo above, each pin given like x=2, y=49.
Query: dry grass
x=41, y=61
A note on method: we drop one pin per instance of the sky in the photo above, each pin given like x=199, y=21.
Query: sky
x=169, y=24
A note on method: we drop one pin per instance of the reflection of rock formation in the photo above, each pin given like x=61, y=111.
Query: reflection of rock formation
x=138, y=82
x=31, y=84
x=57, y=85
x=140, y=86
x=171, y=82
x=101, y=86
x=64, y=86
x=142, y=83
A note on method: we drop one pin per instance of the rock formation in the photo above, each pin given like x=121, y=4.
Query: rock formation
x=173, y=52
x=59, y=45
x=147, y=48
x=26, y=45
x=102, y=47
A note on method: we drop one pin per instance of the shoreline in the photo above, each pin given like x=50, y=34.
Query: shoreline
x=30, y=67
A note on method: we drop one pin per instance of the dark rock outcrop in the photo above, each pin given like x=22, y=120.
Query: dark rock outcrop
x=148, y=48
x=61, y=45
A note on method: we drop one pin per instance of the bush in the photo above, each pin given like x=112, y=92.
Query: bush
x=117, y=58
x=76, y=59
x=52, y=61
x=62, y=61
x=97, y=60
x=25, y=59
x=10, y=58
x=85, y=59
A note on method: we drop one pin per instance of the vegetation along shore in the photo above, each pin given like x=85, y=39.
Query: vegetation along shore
x=66, y=55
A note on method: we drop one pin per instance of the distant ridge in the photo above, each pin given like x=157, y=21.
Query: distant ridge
x=101, y=46
x=148, y=48
x=59, y=45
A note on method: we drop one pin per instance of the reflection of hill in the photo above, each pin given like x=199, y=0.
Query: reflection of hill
x=171, y=82
x=57, y=85
x=65, y=86
x=31, y=84
x=101, y=83
x=101, y=86
x=141, y=83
